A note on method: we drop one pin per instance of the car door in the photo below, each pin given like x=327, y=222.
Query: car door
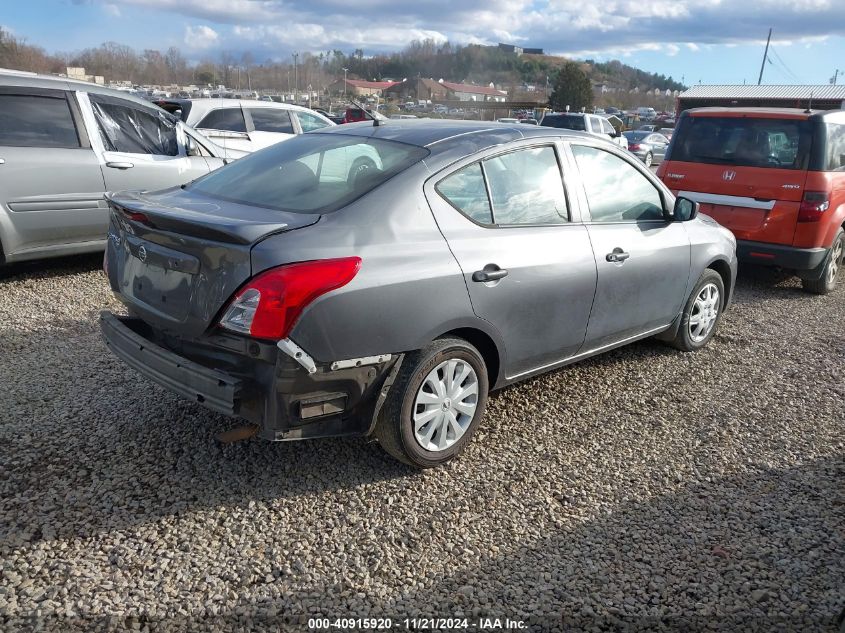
x=309, y=121
x=659, y=143
x=642, y=259
x=268, y=126
x=525, y=257
x=51, y=187
x=227, y=127
x=141, y=147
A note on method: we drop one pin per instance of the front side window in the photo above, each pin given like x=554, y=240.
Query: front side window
x=36, y=121
x=310, y=122
x=311, y=173
x=616, y=190
x=271, y=120
x=126, y=128
x=225, y=119
x=743, y=142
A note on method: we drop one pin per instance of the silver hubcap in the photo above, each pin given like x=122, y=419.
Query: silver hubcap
x=445, y=405
x=704, y=313
x=648, y=160
x=835, y=262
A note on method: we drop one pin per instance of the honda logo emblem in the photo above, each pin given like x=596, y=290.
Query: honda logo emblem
x=728, y=175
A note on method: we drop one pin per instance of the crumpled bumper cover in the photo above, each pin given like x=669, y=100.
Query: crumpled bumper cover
x=214, y=389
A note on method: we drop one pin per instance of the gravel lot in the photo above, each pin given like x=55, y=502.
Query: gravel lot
x=706, y=489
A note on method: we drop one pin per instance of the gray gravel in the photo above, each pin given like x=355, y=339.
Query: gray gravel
x=705, y=489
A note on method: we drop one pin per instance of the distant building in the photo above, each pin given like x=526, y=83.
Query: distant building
x=520, y=50
x=78, y=73
x=469, y=92
x=824, y=96
x=359, y=87
x=416, y=90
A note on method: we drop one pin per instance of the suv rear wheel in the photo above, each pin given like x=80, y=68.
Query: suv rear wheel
x=832, y=271
x=435, y=404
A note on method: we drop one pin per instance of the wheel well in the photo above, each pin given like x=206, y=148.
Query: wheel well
x=485, y=345
x=724, y=270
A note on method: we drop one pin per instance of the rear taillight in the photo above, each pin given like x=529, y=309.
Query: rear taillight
x=813, y=206
x=269, y=305
x=633, y=146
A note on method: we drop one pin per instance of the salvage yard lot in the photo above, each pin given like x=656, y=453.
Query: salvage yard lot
x=643, y=483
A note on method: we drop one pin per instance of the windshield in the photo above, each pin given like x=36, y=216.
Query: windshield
x=565, y=122
x=743, y=142
x=311, y=173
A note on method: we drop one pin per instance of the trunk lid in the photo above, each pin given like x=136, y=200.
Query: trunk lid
x=758, y=204
x=176, y=257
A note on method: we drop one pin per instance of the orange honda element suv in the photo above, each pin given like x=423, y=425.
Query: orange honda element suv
x=775, y=177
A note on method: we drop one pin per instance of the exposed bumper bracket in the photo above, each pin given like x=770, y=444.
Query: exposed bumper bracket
x=360, y=362
x=298, y=354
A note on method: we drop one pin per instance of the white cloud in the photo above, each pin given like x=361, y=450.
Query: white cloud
x=112, y=10
x=201, y=37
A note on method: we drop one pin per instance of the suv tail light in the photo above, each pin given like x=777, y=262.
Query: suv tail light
x=269, y=305
x=813, y=205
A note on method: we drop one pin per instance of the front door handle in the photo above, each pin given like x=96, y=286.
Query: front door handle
x=489, y=273
x=2, y=161
x=120, y=165
x=617, y=256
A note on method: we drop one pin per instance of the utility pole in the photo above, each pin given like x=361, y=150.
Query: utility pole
x=835, y=76
x=765, y=57
x=295, y=78
x=345, y=70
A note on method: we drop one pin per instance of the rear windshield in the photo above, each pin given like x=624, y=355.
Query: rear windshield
x=311, y=173
x=636, y=136
x=743, y=142
x=565, y=122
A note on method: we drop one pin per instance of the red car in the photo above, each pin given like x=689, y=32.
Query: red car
x=775, y=177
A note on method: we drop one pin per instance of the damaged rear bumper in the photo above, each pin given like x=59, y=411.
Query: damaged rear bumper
x=288, y=397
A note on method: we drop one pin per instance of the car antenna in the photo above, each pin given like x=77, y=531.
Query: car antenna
x=376, y=121
x=809, y=109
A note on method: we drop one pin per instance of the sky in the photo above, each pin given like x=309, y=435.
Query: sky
x=707, y=41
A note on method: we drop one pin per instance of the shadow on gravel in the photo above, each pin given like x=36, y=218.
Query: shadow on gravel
x=753, y=281
x=54, y=267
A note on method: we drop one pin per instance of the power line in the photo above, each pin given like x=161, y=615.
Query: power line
x=785, y=67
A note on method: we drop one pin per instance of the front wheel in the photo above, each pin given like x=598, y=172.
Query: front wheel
x=435, y=404
x=827, y=282
x=701, y=312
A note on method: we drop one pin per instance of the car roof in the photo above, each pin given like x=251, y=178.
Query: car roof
x=32, y=80
x=837, y=116
x=440, y=135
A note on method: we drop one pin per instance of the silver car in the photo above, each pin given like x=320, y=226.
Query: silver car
x=64, y=143
x=312, y=297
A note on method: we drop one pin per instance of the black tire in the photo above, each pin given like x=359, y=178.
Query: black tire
x=395, y=427
x=360, y=167
x=832, y=269
x=648, y=160
x=684, y=340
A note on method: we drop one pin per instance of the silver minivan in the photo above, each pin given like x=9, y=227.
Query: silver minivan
x=64, y=143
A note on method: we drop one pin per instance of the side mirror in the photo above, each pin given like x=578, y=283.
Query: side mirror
x=685, y=210
x=191, y=147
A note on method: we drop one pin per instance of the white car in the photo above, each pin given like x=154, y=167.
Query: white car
x=590, y=123
x=245, y=125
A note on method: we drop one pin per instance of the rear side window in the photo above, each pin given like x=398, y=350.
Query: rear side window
x=835, y=147
x=616, y=190
x=35, y=121
x=466, y=191
x=126, y=128
x=743, y=142
x=271, y=120
x=226, y=119
x=310, y=122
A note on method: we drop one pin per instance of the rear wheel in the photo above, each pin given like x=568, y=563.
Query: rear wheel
x=833, y=269
x=435, y=404
x=701, y=312
x=648, y=160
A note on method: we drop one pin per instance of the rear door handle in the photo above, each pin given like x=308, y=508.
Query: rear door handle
x=120, y=165
x=489, y=274
x=2, y=161
x=617, y=256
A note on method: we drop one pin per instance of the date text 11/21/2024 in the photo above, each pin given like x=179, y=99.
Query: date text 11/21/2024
x=484, y=624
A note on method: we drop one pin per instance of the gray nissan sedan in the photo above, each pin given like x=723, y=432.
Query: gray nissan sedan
x=380, y=280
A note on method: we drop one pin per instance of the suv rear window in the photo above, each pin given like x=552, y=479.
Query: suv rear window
x=310, y=173
x=35, y=121
x=564, y=121
x=743, y=142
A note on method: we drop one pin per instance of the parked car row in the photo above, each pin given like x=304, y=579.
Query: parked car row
x=381, y=277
